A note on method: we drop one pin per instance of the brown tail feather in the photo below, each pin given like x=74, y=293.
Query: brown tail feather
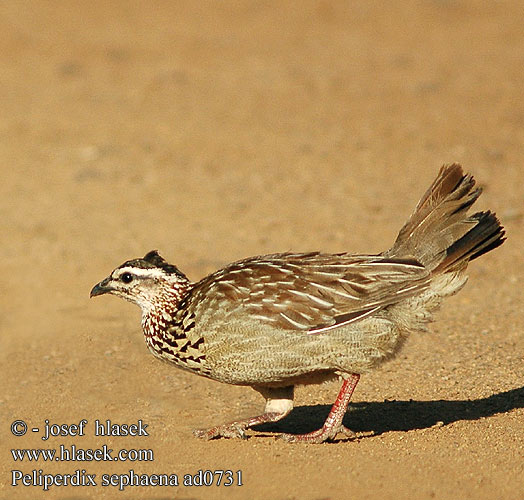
x=439, y=233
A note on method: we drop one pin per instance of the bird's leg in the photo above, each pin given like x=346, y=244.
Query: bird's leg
x=333, y=424
x=279, y=402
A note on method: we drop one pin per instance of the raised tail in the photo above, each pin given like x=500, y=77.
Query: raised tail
x=439, y=233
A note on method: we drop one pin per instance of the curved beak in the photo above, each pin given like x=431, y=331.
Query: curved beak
x=101, y=288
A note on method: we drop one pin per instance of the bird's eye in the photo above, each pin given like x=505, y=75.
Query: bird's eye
x=126, y=277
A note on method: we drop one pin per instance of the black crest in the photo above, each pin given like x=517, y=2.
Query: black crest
x=152, y=260
x=153, y=257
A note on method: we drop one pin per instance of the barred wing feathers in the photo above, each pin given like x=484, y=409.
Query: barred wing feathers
x=310, y=292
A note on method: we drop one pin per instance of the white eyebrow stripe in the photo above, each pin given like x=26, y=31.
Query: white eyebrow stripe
x=136, y=271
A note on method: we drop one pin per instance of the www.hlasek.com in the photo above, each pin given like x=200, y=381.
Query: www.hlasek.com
x=80, y=477
x=74, y=454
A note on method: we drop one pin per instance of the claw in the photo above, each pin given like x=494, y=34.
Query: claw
x=347, y=432
x=232, y=430
x=319, y=436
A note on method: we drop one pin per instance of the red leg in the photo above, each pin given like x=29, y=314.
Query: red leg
x=333, y=424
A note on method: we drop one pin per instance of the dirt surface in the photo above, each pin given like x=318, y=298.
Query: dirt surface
x=217, y=130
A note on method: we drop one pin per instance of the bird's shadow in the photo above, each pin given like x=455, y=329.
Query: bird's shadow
x=380, y=417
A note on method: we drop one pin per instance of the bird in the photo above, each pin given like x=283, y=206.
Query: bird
x=276, y=321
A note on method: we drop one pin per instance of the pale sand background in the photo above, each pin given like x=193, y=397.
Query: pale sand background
x=217, y=130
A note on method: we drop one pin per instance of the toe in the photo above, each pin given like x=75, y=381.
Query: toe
x=228, y=431
x=347, y=432
x=311, y=438
x=204, y=433
x=288, y=438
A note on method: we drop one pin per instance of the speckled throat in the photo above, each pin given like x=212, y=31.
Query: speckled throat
x=166, y=326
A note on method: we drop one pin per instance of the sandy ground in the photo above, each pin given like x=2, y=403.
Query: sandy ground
x=218, y=130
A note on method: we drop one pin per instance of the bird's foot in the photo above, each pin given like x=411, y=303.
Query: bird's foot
x=237, y=429
x=326, y=433
x=231, y=430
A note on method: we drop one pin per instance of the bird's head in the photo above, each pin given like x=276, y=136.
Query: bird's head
x=144, y=281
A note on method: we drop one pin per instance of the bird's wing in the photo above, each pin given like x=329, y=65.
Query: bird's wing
x=310, y=292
